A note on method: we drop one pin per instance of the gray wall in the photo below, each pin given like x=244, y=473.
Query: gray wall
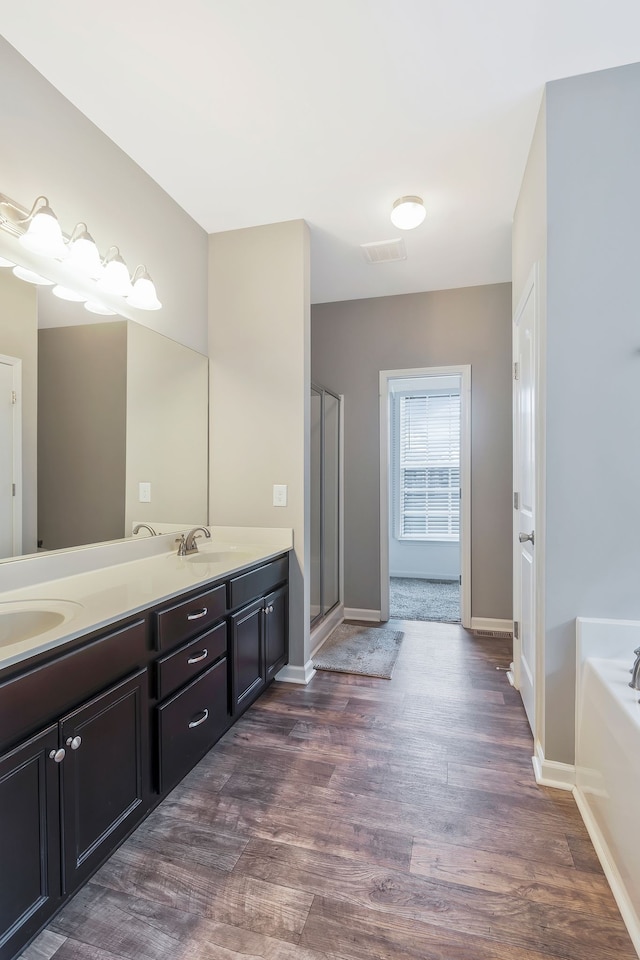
x=350, y=343
x=82, y=409
x=593, y=371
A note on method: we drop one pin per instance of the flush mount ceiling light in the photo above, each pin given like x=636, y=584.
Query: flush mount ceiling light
x=84, y=270
x=408, y=212
x=144, y=294
x=44, y=235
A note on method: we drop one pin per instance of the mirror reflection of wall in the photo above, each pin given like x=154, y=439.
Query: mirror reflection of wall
x=117, y=405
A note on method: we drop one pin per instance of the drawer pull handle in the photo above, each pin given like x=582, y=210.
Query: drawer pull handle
x=196, y=723
x=198, y=657
x=197, y=616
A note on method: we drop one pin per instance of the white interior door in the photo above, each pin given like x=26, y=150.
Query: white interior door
x=10, y=459
x=524, y=652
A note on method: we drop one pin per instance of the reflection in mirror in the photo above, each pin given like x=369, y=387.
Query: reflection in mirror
x=103, y=407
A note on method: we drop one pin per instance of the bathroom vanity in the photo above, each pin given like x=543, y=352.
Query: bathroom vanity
x=97, y=725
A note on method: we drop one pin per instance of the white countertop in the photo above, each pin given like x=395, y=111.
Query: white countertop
x=99, y=597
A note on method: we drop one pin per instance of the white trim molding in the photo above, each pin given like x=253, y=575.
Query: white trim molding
x=329, y=622
x=551, y=773
x=491, y=625
x=355, y=613
x=291, y=674
x=611, y=872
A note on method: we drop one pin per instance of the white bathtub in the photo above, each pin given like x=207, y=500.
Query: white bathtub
x=608, y=756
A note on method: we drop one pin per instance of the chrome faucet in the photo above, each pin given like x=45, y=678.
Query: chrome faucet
x=138, y=527
x=187, y=544
x=635, y=672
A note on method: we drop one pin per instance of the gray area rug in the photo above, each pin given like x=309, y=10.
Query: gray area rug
x=370, y=651
x=413, y=599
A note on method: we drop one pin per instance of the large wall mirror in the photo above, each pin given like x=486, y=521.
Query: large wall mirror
x=103, y=425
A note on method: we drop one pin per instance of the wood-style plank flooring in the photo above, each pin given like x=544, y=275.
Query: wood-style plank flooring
x=359, y=819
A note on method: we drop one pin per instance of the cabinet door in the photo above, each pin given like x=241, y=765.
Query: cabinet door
x=29, y=840
x=276, y=631
x=104, y=775
x=247, y=646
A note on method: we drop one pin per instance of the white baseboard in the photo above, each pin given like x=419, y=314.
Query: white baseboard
x=434, y=577
x=551, y=773
x=611, y=872
x=290, y=674
x=320, y=633
x=489, y=625
x=354, y=613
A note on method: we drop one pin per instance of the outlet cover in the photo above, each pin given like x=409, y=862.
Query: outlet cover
x=144, y=493
x=280, y=494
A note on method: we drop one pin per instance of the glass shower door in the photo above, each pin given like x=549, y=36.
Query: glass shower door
x=325, y=502
x=316, y=504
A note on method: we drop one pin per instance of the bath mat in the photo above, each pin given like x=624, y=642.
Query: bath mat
x=370, y=651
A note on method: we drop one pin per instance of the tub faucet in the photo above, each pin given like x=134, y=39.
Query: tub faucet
x=635, y=672
x=190, y=545
x=138, y=527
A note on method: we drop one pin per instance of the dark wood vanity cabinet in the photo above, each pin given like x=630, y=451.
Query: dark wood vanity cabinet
x=92, y=738
x=70, y=792
x=259, y=632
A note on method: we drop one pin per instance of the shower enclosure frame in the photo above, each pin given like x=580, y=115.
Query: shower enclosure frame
x=328, y=612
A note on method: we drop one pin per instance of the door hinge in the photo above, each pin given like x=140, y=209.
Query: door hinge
x=516, y=630
x=516, y=371
x=14, y=397
x=460, y=579
x=516, y=501
x=13, y=489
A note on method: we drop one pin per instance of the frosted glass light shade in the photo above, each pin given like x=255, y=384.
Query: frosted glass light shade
x=31, y=277
x=65, y=293
x=407, y=213
x=115, y=278
x=144, y=295
x=93, y=307
x=85, y=257
x=44, y=235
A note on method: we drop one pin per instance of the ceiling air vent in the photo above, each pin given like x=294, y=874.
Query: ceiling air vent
x=384, y=251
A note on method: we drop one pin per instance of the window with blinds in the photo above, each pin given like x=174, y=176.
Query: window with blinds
x=428, y=466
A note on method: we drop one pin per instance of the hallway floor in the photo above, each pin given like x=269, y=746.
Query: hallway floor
x=359, y=819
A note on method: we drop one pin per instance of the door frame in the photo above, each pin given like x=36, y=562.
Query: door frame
x=16, y=364
x=464, y=372
x=532, y=289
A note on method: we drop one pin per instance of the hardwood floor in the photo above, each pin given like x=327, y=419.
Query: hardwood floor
x=359, y=819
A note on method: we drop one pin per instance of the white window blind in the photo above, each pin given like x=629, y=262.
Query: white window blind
x=429, y=466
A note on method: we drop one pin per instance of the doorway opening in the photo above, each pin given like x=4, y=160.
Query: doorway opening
x=425, y=495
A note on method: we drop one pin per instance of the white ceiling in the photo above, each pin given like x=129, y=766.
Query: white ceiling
x=256, y=111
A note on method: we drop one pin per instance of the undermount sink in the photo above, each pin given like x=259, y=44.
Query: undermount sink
x=219, y=556
x=23, y=619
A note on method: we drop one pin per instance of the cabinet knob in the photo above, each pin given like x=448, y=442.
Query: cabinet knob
x=58, y=755
x=74, y=742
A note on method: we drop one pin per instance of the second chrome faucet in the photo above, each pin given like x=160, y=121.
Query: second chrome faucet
x=187, y=542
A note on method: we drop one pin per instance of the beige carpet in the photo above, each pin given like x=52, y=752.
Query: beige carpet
x=369, y=651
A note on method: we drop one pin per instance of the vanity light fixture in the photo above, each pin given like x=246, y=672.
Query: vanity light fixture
x=144, y=295
x=84, y=256
x=408, y=212
x=115, y=275
x=39, y=232
x=44, y=235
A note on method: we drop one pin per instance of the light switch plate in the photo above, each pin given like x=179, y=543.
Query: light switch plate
x=280, y=494
x=144, y=493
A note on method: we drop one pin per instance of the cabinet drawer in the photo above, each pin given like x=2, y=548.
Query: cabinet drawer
x=190, y=723
x=250, y=585
x=174, y=670
x=185, y=619
x=29, y=701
